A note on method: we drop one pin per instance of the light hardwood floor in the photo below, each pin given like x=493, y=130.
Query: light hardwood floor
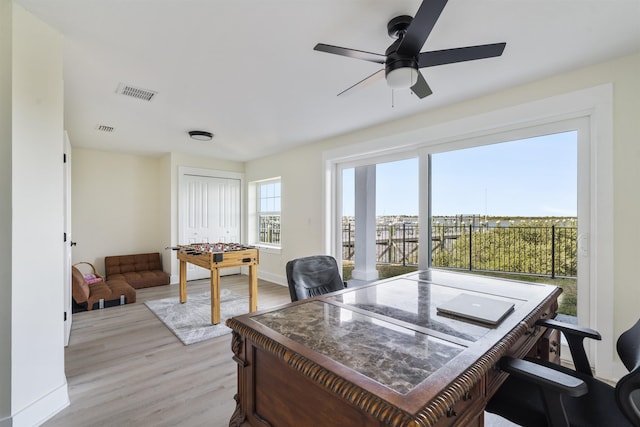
x=125, y=368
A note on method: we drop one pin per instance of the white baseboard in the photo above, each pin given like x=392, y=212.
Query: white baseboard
x=274, y=278
x=42, y=409
x=619, y=371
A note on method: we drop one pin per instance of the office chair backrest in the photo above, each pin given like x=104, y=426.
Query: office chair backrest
x=312, y=276
x=628, y=388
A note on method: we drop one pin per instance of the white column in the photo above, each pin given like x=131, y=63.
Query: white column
x=365, y=233
x=424, y=219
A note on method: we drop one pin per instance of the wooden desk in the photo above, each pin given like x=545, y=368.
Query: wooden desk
x=213, y=259
x=380, y=355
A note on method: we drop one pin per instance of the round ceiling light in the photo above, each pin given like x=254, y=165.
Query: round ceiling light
x=402, y=78
x=201, y=135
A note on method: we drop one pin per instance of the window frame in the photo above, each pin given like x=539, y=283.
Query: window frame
x=256, y=213
x=594, y=104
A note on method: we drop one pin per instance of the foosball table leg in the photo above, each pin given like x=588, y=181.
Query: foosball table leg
x=215, y=296
x=183, y=281
x=253, y=288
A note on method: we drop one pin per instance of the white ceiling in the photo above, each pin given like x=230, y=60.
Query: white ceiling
x=246, y=69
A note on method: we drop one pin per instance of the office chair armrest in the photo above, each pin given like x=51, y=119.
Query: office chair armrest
x=570, y=329
x=547, y=378
x=551, y=383
x=575, y=336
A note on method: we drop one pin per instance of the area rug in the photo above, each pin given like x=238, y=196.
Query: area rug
x=191, y=321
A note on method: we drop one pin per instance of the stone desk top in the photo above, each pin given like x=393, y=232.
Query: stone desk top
x=395, y=356
x=391, y=332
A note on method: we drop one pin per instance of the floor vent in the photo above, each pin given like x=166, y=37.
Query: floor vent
x=136, y=92
x=105, y=128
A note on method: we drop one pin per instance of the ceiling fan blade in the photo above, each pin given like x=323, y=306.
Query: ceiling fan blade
x=460, y=54
x=421, y=88
x=351, y=53
x=364, y=82
x=420, y=27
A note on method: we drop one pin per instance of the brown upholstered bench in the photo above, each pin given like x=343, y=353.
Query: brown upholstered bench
x=139, y=271
x=88, y=295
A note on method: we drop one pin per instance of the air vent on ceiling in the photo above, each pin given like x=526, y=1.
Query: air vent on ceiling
x=104, y=128
x=136, y=92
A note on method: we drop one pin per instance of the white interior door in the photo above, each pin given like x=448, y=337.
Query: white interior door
x=68, y=305
x=211, y=213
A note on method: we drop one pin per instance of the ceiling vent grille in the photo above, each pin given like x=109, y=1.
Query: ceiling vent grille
x=136, y=92
x=105, y=128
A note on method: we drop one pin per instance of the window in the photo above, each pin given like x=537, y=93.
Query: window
x=268, y=197
x=493, y=211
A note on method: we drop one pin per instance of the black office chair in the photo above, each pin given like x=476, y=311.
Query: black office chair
x=313, y=275
x=546, y=394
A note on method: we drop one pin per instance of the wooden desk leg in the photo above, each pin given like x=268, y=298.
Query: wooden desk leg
x=253, y=288
x=183, y=281
x=215, y=296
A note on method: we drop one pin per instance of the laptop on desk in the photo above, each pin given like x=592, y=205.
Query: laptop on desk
x=481, y=309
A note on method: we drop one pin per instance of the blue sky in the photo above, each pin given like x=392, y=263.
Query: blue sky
x=530, y=177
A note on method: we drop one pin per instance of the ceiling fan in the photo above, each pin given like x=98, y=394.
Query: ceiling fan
x=403, y=58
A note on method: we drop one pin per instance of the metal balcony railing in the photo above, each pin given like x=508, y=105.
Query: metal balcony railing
x=538, y=250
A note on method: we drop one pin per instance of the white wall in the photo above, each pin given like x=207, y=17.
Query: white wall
x=302, y=206
x=117, y=205
x=38, y=385
x=165, y=208
x=5, y=210
x=302, y=178
x=626, y=158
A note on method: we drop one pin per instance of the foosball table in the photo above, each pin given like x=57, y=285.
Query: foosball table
x=213, y=257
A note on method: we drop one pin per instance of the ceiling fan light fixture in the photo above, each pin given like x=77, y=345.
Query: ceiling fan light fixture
x=200, y=135
x=402, y=77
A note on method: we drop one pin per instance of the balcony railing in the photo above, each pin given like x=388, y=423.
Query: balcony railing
x=269, y=229
x=539, y=250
